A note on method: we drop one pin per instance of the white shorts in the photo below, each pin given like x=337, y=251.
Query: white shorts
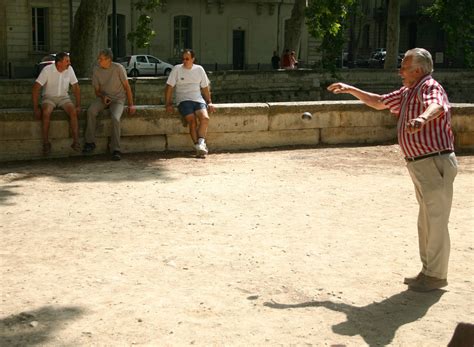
x=56, y=101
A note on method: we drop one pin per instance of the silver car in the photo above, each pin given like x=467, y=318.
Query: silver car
x=145, y=65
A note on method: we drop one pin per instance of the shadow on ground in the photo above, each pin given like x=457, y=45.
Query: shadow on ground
x=133, y=167
x=378, y=322
x=6, y=193
x=37, y=326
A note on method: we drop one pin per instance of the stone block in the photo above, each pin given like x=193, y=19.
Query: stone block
x=293, y=120
x=131, y=144
x=463, y=122
x=464, y=141
x=180, y=142
x=368, y=118
x=239, y=118
x=358, y=135
x=262, y=139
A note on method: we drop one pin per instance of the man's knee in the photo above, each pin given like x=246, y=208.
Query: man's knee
x=203, y=116
x=46, y=112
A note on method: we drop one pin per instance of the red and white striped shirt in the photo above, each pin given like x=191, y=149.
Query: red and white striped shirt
x=408, y=103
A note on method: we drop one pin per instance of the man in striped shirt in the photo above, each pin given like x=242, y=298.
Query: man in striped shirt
x=426, y=139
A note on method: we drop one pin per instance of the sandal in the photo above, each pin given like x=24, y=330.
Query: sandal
x=46, y=148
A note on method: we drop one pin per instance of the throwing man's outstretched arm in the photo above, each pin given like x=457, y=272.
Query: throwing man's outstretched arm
x=371, y=99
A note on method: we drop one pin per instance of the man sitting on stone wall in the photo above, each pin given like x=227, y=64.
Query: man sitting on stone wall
x=55, y=80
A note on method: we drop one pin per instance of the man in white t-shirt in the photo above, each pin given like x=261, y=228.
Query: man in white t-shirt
x=193, y=98
x=55, y=80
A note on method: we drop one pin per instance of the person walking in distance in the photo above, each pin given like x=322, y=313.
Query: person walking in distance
x=111, y=88
x=55, y=80
x=426, y=139
x=193, y=97
x=275, y=61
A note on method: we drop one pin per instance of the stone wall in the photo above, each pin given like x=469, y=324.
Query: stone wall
x=260, y=86
x=232, y=127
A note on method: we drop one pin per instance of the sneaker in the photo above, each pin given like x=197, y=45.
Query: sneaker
x=201, y=150
x=116, y=156
x=88, y=147
x=47, y=148
x=427, y=284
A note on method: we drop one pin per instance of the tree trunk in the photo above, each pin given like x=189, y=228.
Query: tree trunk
x=89, y=25
x=393, y=34
x=294, y=26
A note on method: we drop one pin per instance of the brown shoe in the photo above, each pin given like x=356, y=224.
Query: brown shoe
x=427, y=283
x=46, y=148
x=76, y=146
x=410, y=280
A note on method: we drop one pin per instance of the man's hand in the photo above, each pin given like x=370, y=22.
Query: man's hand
x=106, y=100
x=339, y=88
x=131, y=110
x=415, y=125
x=211, y=107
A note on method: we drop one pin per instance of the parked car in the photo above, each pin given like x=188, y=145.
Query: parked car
x=377, y=59
x=45, y=61
x=143, y=65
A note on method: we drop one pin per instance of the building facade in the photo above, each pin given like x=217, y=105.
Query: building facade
x=225, y=34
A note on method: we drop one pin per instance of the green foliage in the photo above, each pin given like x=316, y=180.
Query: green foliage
x=144, y=33
x=456, y=18
x=327, y=21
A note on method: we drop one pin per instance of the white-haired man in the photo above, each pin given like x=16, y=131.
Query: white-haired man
x=426, y=139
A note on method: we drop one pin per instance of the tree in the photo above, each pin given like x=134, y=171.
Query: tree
x=294, y=26
x=456, y=18
x=393, y=34
x=144, y=33
x=327, y=20
x=89, y=24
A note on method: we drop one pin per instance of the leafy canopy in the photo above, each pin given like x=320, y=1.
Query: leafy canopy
x=456, y=18
x=327, y=21
x=144, y=33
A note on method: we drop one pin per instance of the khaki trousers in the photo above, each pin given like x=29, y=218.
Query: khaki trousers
x=433, y=178
x=116, y=111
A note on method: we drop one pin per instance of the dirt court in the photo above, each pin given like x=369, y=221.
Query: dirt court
x=294, y=247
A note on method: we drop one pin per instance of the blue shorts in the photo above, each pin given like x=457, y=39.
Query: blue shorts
x=189, y=107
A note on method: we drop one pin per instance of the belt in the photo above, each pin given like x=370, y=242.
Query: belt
x=446, y=151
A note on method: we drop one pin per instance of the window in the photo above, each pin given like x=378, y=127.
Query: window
x=182, y=34
x=152, y=60
x=141, y=59
x=39, y=17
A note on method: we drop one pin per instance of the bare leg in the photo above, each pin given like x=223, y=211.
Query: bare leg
x=46, y=110
x=191, y=119
x=71, y=111
x=203, y=123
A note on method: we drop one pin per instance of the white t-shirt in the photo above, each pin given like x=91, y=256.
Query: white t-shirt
x=56, y=83
x=188, y=83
